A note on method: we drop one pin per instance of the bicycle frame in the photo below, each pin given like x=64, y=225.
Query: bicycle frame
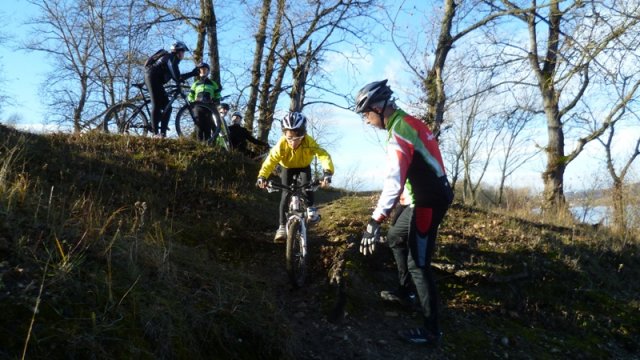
x=298, y=212
x=296, y=227
x=139, y=106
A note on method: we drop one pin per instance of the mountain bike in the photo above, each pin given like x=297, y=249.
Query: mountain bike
x=296, y=227
x=220, y=135
x=132, y=116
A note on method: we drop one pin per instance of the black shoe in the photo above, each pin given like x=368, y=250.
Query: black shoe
x=400, y=296
x=420, y=336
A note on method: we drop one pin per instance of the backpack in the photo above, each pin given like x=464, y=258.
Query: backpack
x=155, y=57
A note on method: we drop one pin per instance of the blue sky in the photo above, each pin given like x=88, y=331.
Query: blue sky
x=358, y=150
x=25, y=75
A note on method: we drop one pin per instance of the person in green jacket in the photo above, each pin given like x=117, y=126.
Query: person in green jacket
x=206, y=91
x=294, y=152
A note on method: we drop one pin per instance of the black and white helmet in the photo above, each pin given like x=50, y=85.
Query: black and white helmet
x=372, y=93
x=178, y=46
x=295, y=121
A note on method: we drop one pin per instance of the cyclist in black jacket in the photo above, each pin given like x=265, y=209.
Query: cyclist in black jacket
x=158, y=73
x=239, y=135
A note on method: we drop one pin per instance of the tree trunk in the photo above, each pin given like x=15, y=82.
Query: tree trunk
x=619, y=211
x=269, y=93
x=261, y=38
x=77, y=111
x=269, y=99
x=553, y=176
x=434, y=84
x=300, y=81
x=211, y=24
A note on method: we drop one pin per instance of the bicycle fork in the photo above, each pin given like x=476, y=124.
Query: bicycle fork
x=303, y=231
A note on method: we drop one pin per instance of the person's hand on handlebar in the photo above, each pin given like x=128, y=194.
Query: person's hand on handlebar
x=326, y=179
x=262, y=182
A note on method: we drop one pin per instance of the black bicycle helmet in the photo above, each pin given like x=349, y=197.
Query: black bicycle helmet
x=236, y=113
x=203, y=65
x=224, y=106
x=372, y=93
x=295, y=121
x=178, y=46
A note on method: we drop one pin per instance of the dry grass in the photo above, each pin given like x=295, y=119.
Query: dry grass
x=123, y=247
x=113, y=217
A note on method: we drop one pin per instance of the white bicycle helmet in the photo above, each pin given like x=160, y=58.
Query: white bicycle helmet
x=295, y=121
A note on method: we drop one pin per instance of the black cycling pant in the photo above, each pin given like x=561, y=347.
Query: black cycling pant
x=418, y=225
x=286, y=176
x=159, y=100
x=204, y=122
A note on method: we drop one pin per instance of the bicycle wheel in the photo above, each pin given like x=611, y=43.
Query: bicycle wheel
x=225, y=141
x=295, y=256
x=185, y=124
x=125, y=118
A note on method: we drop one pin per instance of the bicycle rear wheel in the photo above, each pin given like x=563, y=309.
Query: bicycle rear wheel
x=125, y=118
x=295, y=255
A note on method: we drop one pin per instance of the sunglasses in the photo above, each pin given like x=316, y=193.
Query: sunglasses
x=293, y=138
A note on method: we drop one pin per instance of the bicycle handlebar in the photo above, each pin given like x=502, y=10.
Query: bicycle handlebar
x=311, y=186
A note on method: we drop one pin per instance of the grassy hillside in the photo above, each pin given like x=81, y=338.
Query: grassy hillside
x=119, y=247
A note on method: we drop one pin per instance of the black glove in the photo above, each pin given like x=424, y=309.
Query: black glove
x=262, y=182
x=370, y=237
x=326, y=177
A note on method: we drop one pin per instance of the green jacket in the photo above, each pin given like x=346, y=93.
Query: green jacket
x=204, y=90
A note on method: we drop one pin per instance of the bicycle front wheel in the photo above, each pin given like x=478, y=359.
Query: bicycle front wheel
x=125, y=118
x=295, y=254
x=185, y=124
x=223, y=134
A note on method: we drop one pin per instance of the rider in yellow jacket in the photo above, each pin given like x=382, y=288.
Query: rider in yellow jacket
x=294, y=152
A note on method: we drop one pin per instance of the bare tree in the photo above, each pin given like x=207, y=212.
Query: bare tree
x=301, y=36
x=204, y=24
x=4, y=97
x=62, y=29
x=617, y=190
x=470, y=17
x=515, y=147
x=274, y=71
x=261, y=38
x=577, y=40
x=476, y=137
x=623, y=84
x=121, y=46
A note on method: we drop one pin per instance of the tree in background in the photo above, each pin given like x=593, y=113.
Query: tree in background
x=122, y=47
x=97, y=50
x=4, y=98
x=301, y=36
x=517, y=147
x=618, y=190
x=464, y=18
x=579, y=40
x=256, y=67
x=201, y=18
x=62, y=29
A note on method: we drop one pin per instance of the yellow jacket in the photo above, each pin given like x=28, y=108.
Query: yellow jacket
x=282, y=153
